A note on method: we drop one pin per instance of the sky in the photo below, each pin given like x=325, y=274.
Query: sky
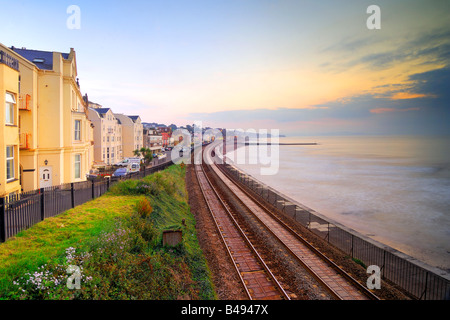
x=304, y=67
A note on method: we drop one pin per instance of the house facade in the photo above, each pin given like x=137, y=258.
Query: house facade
x=166, y=133
x=9, y=123
x=107, y=135
x=132, y=134
x=55, y=133
x=153, y=140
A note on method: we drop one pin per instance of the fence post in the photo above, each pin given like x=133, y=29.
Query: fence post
x=72, y=194
x=93, y=189
x=424, y=293
x=352, y=247
x=309, y=222
x=42, y=204
x=2, y=220
x=328, y=234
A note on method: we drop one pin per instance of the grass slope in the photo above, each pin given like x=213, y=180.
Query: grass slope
x=116, y=241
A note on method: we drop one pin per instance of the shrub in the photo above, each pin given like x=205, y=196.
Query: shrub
x=143, y=208
x=141, y=221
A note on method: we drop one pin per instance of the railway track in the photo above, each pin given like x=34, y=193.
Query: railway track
x=256, y=277
x=330, y=276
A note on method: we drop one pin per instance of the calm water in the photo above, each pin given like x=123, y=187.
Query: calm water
x=394, y=189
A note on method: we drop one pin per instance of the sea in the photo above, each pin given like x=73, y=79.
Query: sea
x=393, y=189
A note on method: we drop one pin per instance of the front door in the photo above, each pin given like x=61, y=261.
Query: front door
x=45, y=177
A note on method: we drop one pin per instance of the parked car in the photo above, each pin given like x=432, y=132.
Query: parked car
x=92, y=175
x=125, y=162
x=120, y=172
x=134, y=167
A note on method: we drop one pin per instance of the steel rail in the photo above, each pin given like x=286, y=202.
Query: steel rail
x=221, y=236
x=242, y=233
x=348, y=277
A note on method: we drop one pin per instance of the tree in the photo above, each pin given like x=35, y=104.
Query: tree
x=147, y=154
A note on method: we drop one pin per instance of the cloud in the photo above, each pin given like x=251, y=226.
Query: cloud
x=407, y=95
x=420, y=107
x=429, y=48
x=384, y=110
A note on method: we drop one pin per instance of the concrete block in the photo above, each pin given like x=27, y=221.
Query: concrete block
x=290, y=208
x=280, y=204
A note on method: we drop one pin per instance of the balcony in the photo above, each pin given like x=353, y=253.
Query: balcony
x=25, y=141
x=25, y=102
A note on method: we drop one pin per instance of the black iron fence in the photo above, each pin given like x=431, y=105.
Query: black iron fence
x=419, y=280
x=20, y=212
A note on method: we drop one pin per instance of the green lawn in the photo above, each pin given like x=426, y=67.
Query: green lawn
x=117, y=240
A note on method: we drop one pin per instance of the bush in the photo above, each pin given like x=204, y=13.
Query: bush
x=141, y=221
x=143, y=208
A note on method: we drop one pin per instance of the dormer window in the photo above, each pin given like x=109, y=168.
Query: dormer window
x=38, y=60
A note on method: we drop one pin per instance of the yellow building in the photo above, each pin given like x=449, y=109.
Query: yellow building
x=56, y=136
x=132, y=134
x=9, y=123
x=107, y=135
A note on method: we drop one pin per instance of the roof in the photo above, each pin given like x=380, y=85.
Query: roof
x=44, y=58
x=134, y=118
x=102, y=110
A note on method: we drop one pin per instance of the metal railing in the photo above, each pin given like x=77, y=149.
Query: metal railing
x=25, y=140
x=19, y=212
x=414, y=277
x=25, y=102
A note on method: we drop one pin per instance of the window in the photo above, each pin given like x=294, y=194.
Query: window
x=10, y=106
x=77, y=166
x=10, y=163
x=77, y=130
